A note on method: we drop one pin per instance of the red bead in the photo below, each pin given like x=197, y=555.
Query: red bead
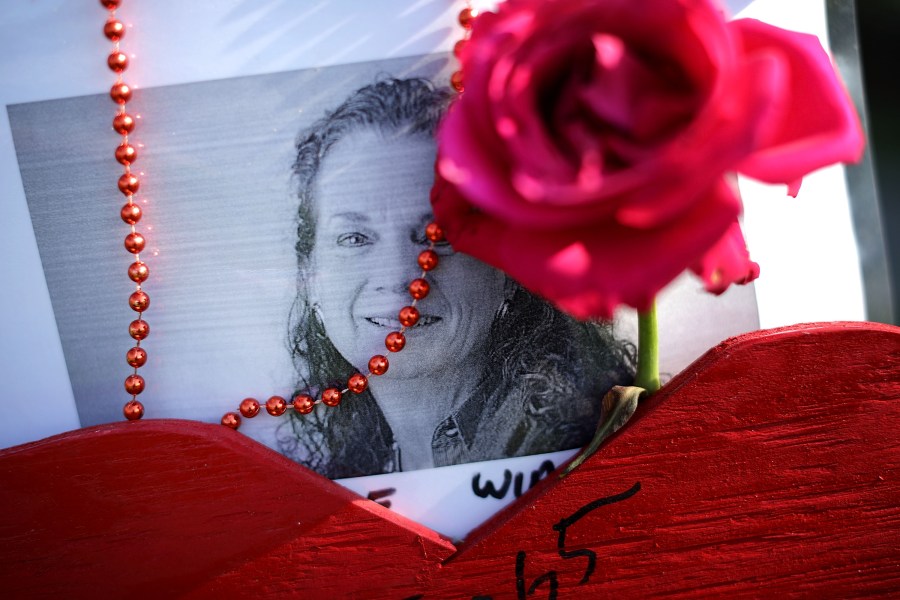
x=128, y=184
x=378, y=365
x=331, y=397
x=231, y=420
x=110, y=4
x=304, y=404
x=409, y=316
x=276, y=405
x=466, y=16
x=134, y=384
x=139, y=301
x=456, y=80
x=120, y=93
x=134, y=242
x=131, y=213
x=139, y=329
x=126, y=154
x=249, y=407
x=114, y=30
x=428, y=260
x=357, y=383
x=395, y=341
x=419, y=288
x=434, y=233
x=123, y=122
x=136, y=357
x=133, y=410
x=138, y=272
x=458, y=48
x=117, y=61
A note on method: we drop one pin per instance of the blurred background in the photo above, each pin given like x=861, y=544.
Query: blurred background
x=864, y=39
x=879, y=25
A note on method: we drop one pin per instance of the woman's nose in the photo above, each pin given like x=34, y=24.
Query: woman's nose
x=397, y=267
x=398, y=286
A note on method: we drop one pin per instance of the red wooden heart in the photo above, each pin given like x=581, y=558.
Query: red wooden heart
x=771, y=463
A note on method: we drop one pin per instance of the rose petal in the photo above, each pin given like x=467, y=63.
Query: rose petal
x=589, y=153
x=569, y=185
x=818, y=126
x=655, y=190
x=611, y=265
x=723, y=134
x=727, y=262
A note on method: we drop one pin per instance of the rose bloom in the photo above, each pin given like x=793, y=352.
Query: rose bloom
x=592, y=153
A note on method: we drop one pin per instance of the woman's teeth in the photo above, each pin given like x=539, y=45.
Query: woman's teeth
x=395, y=323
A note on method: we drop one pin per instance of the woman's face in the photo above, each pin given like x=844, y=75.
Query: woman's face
x=372, y=206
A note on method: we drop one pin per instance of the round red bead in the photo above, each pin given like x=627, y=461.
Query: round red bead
x=139, y=329
x=138, y=272
x=357, y=383
x=458, y=48
x=136, y=357
x=110, y=4
x=129, y=184
x=276, y=405
x=466, y=16
x=331, y=397
x=114, y=30
x=304, y=404
x=395, y=341
x=123, y=123
x=378, y=365
x=139, y=301
x=120, y=93
x=419, y=288
x=456, y=80
x=134, y=384
x=428, y=260
x=249, y=407
x=134, y=242
x=133, y=410
x=126, y=154
x=434, y=233
x=117, y=61
x=131, y=213
x=231, y=420
x=409, y=316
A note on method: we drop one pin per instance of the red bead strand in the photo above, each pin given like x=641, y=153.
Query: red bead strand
x=357, y=383
x=126, y=154
x=128, y=183
x=466, y=17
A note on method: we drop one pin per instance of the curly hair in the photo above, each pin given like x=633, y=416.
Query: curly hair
x=553, y=366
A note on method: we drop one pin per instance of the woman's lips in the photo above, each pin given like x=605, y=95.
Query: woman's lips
x=394, y=322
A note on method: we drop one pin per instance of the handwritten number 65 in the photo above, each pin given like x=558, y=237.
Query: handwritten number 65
x=561, y=527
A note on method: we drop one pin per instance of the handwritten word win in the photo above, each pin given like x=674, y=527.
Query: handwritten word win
x=489, y=489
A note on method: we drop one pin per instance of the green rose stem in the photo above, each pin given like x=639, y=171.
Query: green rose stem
x=621, y=401
x=647, y=376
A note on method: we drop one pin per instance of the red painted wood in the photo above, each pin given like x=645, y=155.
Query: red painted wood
x=156, y=508
x=769, y=467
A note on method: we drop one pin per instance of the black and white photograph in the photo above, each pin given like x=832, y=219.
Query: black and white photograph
x=284, y=215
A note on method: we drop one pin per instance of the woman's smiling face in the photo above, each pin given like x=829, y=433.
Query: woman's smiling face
x=371, y=199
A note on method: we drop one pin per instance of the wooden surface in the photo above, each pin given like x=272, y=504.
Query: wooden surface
x=768, y=467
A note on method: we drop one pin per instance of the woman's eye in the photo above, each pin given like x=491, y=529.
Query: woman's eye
x=353, y=240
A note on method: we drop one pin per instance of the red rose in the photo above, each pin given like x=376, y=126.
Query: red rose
x=591, y=154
